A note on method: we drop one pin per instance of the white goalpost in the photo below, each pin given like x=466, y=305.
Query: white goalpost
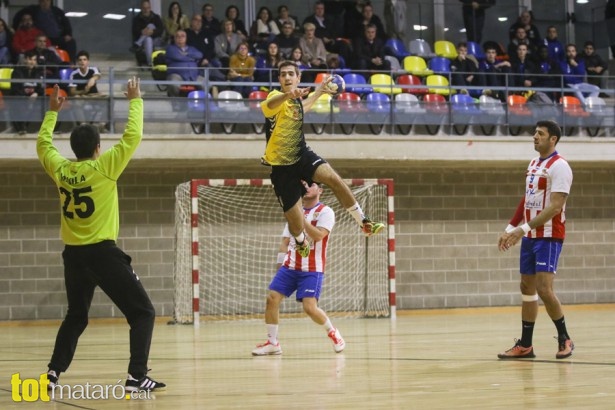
x=227, y=234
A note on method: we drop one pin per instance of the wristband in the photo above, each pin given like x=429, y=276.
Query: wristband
x=281, y=257
x=510, y=228
x=526, y=228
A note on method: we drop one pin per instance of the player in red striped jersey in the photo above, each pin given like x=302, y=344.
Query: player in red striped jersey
x=543, y=212
x=302, y=274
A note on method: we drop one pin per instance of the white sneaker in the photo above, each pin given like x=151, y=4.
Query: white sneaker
x=338, y=340
x=267, y=349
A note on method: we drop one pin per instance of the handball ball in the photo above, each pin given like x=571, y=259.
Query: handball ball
x=337, y=85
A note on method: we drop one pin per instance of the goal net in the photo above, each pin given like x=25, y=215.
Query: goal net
x=227, y=235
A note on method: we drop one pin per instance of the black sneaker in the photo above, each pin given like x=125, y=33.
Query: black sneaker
x=52, y=376
x=143, y=384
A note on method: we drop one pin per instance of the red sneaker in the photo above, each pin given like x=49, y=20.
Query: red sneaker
x=518, y=352
x=565, y=348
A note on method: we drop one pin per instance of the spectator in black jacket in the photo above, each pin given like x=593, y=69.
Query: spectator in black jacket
x=523, y=69
x=32, y=89
x=47, y=59
x=526, y=21
x=474, y=18
x=327, y=32
x=53, y=22
x=369, y=51
x=147, y=30
x=595, y=66
x=463, y=68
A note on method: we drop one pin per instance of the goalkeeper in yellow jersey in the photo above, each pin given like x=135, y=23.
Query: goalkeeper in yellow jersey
x=292, y=161
x=87, y=189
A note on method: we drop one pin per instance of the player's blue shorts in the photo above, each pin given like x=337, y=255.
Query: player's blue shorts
x=539, y=255
x=307, y=284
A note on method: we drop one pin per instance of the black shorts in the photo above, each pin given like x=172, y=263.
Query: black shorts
x=286, y=179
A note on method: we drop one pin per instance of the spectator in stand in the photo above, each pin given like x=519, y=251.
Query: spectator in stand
x=286, y=40
x=595, y=66
x=327, y=32
x=241, y=68
x=353, y=18
x=523, y=69
x=183, y=62
x=199, y=39
x=314, y=52
x=474, y=18
x=263, y=30
x=520, y=38
x=25, y=37
x=296, y=56
x=83, y=79
x=175, y=20
x=556, y=48
x=370, y=18
x=211, y=25
x=227, y=42
x=463, y=68
x=369, y=51
x=493, y=74
x=526, y=21
x=52, y=21
x=6, y=40
x=267, y=66
x=549, y=73
x=46, y=57
x=284, y=17
x=232, y=13
x=573, y=68
x=147, y=31
x=31, y=89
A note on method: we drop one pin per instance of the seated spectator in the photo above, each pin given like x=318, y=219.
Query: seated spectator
x=314, y=52
x=595, y=66
x=556, y=48
x=327, y=32
x=369, y=51
x=353, y=19
x=523, y=69
x=526, y=21
x=183, y=63
x=226, y=42
x=296, y=56
x=572, y=68
x=549, y=74
x=83, y=79
x=232, y=13
x=211, y=25
x=267, y=65
x=47, y=59
x=52, y=21
x=368, y=17
x=199, y=39
x=30, y=89
x=147, y=31
x=463, y=68
x=175, y=20
x=286, y=40
x=263, y=30
x=25, y=37
x=520, y=38
x=284, y=17
x=6, y=39
x=241, y=69
x=493, y=74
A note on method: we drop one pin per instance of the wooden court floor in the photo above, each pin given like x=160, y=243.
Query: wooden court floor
x=440, y=359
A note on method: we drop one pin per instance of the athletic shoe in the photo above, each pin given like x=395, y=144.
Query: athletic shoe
x=370, y=228
x=52, y=376
x=267, y=349
x=518, y=352
x=338, y=340
x=145, y=383
x=565, y=348
x=303, y=248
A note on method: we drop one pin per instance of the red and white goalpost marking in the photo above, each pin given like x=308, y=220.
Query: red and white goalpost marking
x=194, y=204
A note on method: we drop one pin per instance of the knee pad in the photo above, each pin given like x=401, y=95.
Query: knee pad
x=529, y=298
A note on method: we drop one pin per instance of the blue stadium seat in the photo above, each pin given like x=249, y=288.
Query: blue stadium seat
x=356, y=83
x=378, y=102
x=476, y=50
x=440, y=65
x=395, y=47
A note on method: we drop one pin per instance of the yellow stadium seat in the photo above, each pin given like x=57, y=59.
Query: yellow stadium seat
x=438, y=81
x=417, y=66
x=383, y=83
x=446, y=49
x=5, y=74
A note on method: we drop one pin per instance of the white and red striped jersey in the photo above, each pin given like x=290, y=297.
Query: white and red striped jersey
x=320, y=216
x=544, y=176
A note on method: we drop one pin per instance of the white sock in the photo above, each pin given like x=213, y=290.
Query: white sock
x=272, y=334
x=357, y=213
x=328, y=326
x=300, y=238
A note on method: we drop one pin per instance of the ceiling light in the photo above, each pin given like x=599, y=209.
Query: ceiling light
x=416, y=27
x=114, y=16
x=75, y=14
x=463, y=30
x=502, y=18
x=582, y=1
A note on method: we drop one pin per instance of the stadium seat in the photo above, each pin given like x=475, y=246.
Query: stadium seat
x=409, y=79
x=490, y=105
x=196, y=101
x=159, y=70
x=322, y=105
x=476, y=50
x=438, y=84
x=445, y=49
x=355, y=83
x=350, y=102
x=65, y=74
x=231, y=101
x=395, y=47
x=440, y=65
x=383, y=83
x=416, y=65
x=573, y=108
x=435, y=103
x=597, y=106
x=464, y=103
x=63, y=54
x=517, y=105
x=421, y=48
x=408, y=103
x=320, y=77
x=378, y=102
x=5, y=76
x=395, y=65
